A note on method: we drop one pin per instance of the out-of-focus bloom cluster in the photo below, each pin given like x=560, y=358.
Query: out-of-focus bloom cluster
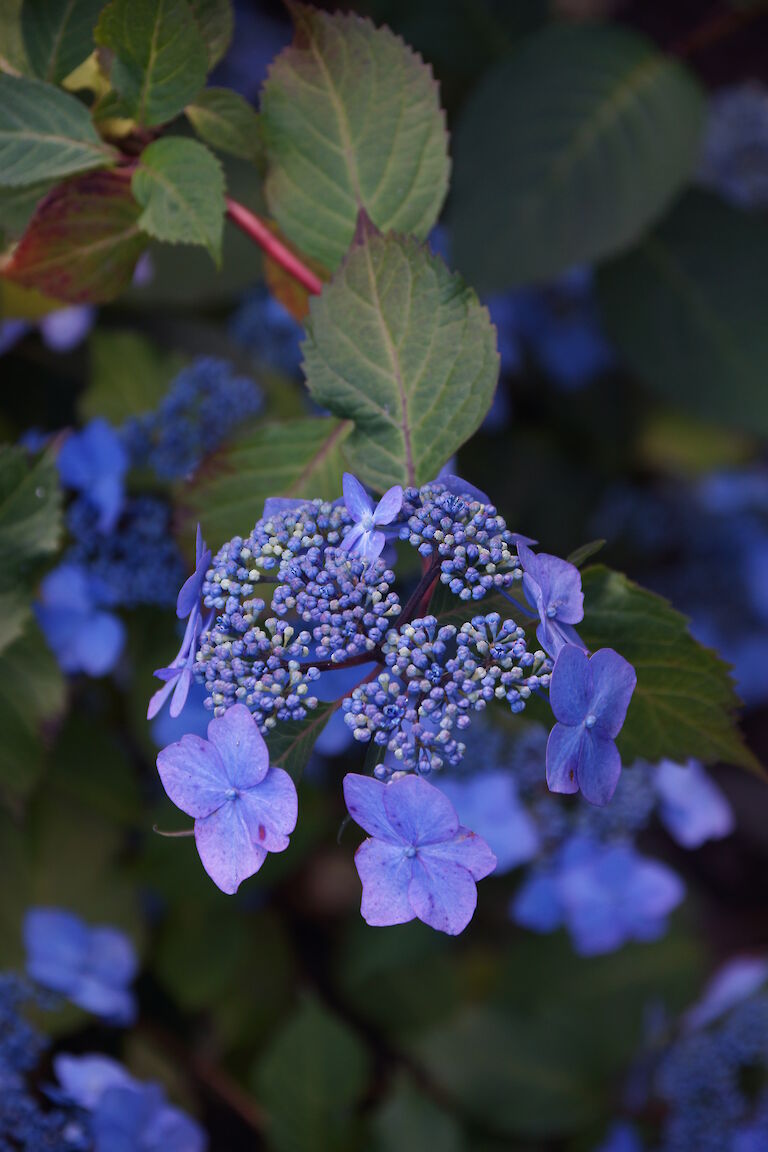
x=734, y=159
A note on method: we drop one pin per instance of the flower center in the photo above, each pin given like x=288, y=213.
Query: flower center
x=410, y=851
x=366, y=520
x=552, y=611
x=590, y=720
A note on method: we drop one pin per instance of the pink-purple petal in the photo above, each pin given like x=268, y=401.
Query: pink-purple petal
x=418, y=812
x=613, y=682
x=467, y=849
x=364, y=798
x=355, y=497
x=180, y=692
x=385, y=873
x=271, y=810
x=563, y=753
x=371, y=546
x=442, y=893
x=193, y=776
x=570, y=690
x=159, y=698
x=226, y=848
x=241, y=747
x=599, y=767
x=353, y=537
x=389, y=506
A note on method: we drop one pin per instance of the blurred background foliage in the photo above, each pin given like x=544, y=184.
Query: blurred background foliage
x=277, y=1016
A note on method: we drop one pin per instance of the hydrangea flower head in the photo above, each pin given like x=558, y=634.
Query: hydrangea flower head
x=92, y=967
x=83, y=637
x=419, y=861
x=553, y=587
x=94, y=462
x=243, y=808
x=691, y=806
x=364, y=538
x=589, y=697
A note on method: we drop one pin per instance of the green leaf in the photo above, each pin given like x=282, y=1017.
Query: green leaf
x=684, y=704
x=686, y=310
x=300, y=458
x=226, y=121
x=579, y=556
x=45, y=134
x=180, y=186
x=310, y=1080
x=82, y=243
x=351, y=121
x=291, y=742
x=215, y=19
x=17, y=206
x=567, y=151
x=32, y=694
x=13, y=58
x=524, y=1078
x=128, y=375
x=58, y=35
x=401, y=346
x=160, y=56
x=408, y=1121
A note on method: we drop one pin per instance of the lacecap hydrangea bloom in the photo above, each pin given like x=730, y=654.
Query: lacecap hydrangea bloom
x=314, y=590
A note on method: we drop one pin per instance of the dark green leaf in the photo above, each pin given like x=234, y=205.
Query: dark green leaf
x=351, y=121
x=291, y=742
x=128, y=375
x=684, y=704
x=215, y=20
x=310, y=1080
x=686, y=310
x=585, y=552
x=45, y=134
x=17, y=206
x=408, y=1121
x=180, y=185
x=226, y=121
x=32, y=694
x=300, y=458
x=568, y=151
x=160, y=56
x=401, y=346
x=58, y=35
x=13, y=58
x=82, y=243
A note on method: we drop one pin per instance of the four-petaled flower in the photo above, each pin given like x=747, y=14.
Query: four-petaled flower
x=589, y=697
x=242, y=808
x=363, y=539
x=553, y=587
x=178, y=674
x=94, y=462
x=92, y=967
x=420, y=862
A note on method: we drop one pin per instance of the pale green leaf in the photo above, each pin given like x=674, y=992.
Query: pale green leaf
x=180, y=186
x=128, y=375
x=226, y=121
x=299, y=458
x=351, y=120
x=45, y=134
x=58, y=35
x=687, y=311
x=568, y=150
x=215, y=20
x=401, y=346
x=684, y=704
x=309, y=1081
x=160, y=56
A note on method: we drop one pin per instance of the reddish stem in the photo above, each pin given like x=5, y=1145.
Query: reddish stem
x=258, y=231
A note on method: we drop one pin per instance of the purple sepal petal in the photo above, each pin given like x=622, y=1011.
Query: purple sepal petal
x=613, y=682
x=241, y=747
x=599, y=767
x=691, y=806
x=458, y=487
x=468, y=850
x=85, y=1079
x=364, y=798
x=442, y=893
x=570, y=689
x=352, y=537
x=226, y=848
x=737, y=981
x=389, y=506
x=274, y=505
x=385, y=873
x=193, y=776
x=563, y=752
x=271, y=810
x=418, y=812
x=355, y=497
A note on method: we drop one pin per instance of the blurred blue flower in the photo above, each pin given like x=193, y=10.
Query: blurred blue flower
x=92, y=967
x=126, y=1115
x=94, y=462
x=61, y=330
x=81, y=634
x=258, y=38
x=621, y=1138
x=734, y=159
x=418, y=862
x=194, y=720
x=487, y=801
x=691, y=806
x=266, y=329
x=735, y=982
x=604, y=894
x=589, y=697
